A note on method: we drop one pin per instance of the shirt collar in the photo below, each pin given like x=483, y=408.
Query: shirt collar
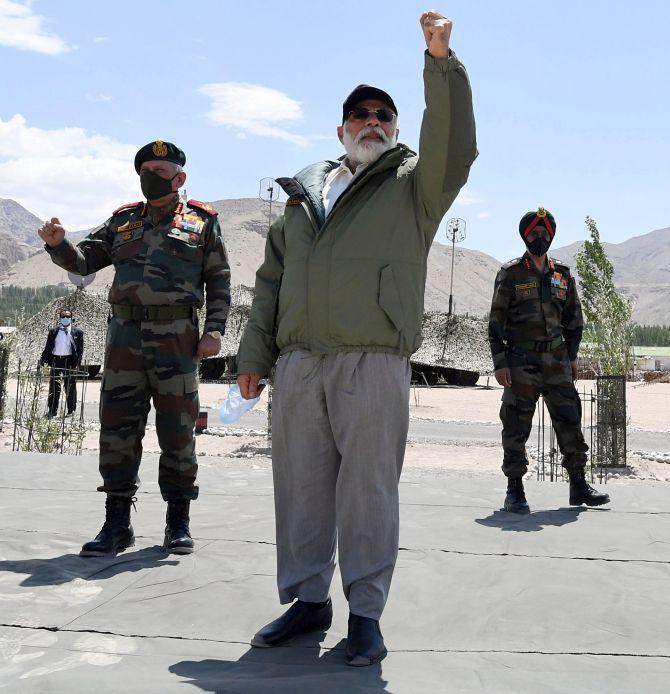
x=359, y=169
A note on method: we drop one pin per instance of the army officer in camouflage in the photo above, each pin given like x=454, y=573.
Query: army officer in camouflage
x=535, y=328
x=166, y=254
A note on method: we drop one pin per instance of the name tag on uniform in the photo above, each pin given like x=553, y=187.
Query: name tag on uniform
x=129, y=227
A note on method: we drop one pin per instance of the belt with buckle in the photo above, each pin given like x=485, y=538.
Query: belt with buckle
x=540, y=345
x=148, y=313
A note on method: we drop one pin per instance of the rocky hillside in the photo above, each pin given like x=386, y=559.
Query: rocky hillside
x=642, y=263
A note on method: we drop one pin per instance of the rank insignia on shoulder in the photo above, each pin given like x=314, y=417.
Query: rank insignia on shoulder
x=129, y=226
x=511, y=263
x=202, y=206
x=293, y=201
x=128, y=206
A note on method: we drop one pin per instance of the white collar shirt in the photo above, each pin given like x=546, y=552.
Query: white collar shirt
x=337, y=181
x=63, y=344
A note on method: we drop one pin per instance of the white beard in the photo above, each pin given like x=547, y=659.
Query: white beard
x=362, y=151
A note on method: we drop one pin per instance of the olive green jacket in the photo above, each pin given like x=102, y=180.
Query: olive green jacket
x=355, y=281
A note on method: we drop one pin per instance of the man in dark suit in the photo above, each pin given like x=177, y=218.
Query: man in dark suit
x=63, y=353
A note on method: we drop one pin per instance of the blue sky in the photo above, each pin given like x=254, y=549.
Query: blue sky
x=571, y=101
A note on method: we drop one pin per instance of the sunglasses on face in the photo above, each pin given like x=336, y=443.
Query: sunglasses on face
x=383, y=115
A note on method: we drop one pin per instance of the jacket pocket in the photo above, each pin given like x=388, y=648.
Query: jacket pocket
x=389, y=298
x=127, y=245
x=121, y=381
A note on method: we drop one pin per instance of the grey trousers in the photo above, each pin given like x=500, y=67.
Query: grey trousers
x=338, y=442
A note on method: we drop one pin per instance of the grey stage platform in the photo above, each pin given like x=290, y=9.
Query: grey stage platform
x=566, y=600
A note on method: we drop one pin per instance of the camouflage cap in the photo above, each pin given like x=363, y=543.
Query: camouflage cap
x=541, y=217
x=159, y=150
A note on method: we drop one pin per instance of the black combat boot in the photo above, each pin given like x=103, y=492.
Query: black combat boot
x=177, y=533
x=116, y=533
x=583, y=493
x=515, y=501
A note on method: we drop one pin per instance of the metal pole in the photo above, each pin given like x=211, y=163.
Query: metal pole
x=451, y=283
x=455, y=234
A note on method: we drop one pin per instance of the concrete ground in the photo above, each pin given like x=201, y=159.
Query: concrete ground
x=564, y=600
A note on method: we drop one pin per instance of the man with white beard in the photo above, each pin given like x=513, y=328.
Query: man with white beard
x=339, y=301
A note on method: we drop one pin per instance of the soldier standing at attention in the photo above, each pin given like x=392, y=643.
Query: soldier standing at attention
x=166, y=254
x=535, y=328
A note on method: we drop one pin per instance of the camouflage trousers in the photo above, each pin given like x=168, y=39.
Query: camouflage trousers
x=152, y=360
x=534, y=374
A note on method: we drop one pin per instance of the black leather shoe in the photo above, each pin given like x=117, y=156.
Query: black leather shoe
x=300, y=618
x=365, y=643
x=177, y=532
x=583, y=493
x=515, y=501
x=116, y=533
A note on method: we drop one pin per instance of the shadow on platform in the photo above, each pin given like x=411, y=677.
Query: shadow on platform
x=532, y=522
x=67, y=567
x=302, y=666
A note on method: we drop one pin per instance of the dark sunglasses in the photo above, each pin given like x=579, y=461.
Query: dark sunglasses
x=384, y=115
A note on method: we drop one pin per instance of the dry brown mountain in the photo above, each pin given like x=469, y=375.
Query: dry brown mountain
x=16, y=242
x=641, y=272
x=642, y=263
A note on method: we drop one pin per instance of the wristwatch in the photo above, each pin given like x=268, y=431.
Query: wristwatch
x=215, y=334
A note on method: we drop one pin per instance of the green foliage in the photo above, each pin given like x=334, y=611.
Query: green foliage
x=17, y=301
x=607, y=313
x=35, y=432
x=650, y=335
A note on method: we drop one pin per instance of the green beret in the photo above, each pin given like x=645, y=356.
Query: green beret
x=541, y=217
x=159, y=151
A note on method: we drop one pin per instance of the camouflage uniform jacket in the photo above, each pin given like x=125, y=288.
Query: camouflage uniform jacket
x=529, y=305
x=171, y=262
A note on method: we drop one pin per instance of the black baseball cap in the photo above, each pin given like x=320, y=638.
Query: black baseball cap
x=363, y=92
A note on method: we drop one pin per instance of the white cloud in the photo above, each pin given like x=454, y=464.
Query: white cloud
x=252, y=109
x=69, y=173
x=483, y=215
x=98, y=97
x=101, y=39
x=21, y=28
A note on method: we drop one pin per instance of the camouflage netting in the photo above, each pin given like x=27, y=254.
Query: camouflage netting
x=241, y=298
x=90, y=312
x=466, y=346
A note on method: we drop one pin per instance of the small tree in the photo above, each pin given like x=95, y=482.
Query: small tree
x=607, y=312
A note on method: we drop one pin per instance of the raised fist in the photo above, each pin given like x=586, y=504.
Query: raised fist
x=436, y=30
x=52, y=233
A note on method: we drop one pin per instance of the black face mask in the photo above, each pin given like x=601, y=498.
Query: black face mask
x=538, y=246
x=155, y=186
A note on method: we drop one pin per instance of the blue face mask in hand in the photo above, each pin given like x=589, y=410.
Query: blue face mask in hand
x=65, y=322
